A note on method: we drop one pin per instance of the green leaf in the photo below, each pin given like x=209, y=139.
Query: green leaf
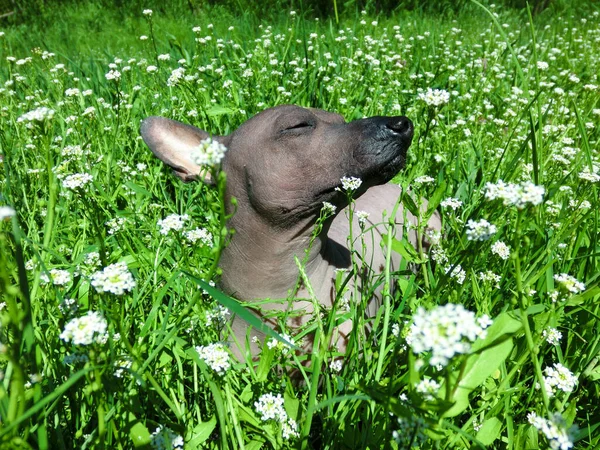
x=255, y=444
x=435, y=200
x=202, y=432
x=486, y=356
x=138, y=189
x=218, y=110
x=406, y=250
x=138, y=432
x=236, y=308
x=409, y=204
x=489, y=431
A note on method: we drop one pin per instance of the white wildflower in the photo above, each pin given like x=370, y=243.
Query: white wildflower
x=457, y=272
x=113, y=75
x=453, y=203
x=590, y=175
x=163, y=437
x=37, y=115
x=172, y=222
x=362, y=217
x=445, y=331
x=270, y=407
x=490, y=277
x=6, y=212
x=337, y=364
x=559, y=377
x=209, y=153
x=518, y=195
x=542, y=65
x=215, y=356
x=328, y=208
x=480, y=231
x=570, y=283
x=217, y=315
x=281, y=346
x=57, y=277
x=428, y=388
x=114, y=278
x=199, y=234
x=350, y=183
x=425, y=179
x=552, y=336
x=501, y=249
x=86, y=330
x=555, y=430
x=435, y=97
x=289, y=429
x=115, y=224
x=176, y=76
x=76, y=180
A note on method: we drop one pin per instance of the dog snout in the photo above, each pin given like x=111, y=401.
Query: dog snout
x=400, y=125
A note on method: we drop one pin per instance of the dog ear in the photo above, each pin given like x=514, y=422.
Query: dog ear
x=173, y=143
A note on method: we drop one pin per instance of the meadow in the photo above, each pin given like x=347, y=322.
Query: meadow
x=113, y=330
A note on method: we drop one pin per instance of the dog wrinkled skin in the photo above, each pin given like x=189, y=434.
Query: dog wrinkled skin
x=281, y=165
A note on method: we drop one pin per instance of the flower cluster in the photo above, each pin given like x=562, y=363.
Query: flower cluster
x=164, y=438
x=411, y=432
x=280, y=346
x=552, y=336
x=424, y=179
x=428, y=388
x=199, y=234
x=480, y=231
x=115, y=279
x=172, y=222
x=435, y=97
x=218, y=315
x=176, y=76
x=350, y=183
x=37, y=115
x=501, y=249
x=559, y=377
x=58, y=277
x=113, y=75
x=451, y=202
x=456, y=272
x=215, y=356
x=328, y=209
x=77, y=180
x=518, y=195
x=445, y=331
x=570, y=283
x=6, y=212
x=86, y=330
x=210, y=153
x=555, y=430
x=270, y=407
x=362, y=217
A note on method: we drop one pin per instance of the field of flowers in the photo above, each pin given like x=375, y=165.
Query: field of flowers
x=113, y=334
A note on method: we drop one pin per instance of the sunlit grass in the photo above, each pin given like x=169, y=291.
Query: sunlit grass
x=506, y=149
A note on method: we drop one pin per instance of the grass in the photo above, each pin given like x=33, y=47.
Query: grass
x=523, y=107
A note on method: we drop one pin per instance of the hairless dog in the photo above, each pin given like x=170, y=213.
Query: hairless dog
x=281, y=165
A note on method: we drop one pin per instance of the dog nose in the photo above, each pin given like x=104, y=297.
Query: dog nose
x=400, y=125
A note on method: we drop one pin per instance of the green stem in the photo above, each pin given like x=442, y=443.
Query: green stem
x=523, y=312
x=234, y=419
x=387, y=296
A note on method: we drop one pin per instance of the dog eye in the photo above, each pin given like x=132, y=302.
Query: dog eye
x=299, y=126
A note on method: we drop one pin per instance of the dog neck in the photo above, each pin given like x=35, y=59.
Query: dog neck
x=263, y=258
